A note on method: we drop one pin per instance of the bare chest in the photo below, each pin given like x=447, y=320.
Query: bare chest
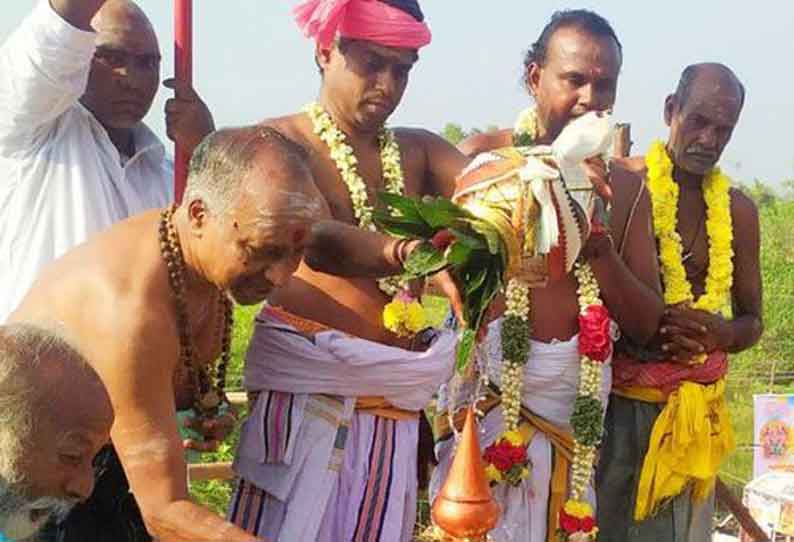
x=692, y=229
x=368, y=172
x=198, y=356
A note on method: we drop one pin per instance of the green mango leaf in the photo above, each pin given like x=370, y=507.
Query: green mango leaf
x=458, y=253
x=400, y=206
x=399, y=226
x=469, y=237
x=439, y=212
x=424, y=260
x=490, y=234
x=473, y=279
x=465, y=348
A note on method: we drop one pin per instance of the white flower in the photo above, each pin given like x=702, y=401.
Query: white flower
x=343, y=156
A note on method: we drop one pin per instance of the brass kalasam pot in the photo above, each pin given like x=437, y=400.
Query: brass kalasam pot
x=495, y=188
x=464, y=509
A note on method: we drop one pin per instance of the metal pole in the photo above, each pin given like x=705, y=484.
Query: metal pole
x=183, y=69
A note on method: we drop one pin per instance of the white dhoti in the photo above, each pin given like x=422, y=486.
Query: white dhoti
x=551, y=381
x=313, y=466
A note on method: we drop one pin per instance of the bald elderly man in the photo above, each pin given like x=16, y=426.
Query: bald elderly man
x=76, y=79
x=55, y=415
x=687, y=362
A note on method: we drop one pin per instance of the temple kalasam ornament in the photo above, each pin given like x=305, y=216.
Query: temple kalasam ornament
x=538, y=198
x=464, y=509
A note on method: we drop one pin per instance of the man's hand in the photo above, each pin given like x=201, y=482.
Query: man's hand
x=446, y=286
x=213, y=430
x=78, y=13
x=598, y=173
x=687, y=332
x=187, y=118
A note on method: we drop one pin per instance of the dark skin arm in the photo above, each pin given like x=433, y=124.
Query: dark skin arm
x=347, y=251
x=188, y=120
x=443, y=164
x=686, y=332
x=629, y=284
x=342, y=249
x=477, y=143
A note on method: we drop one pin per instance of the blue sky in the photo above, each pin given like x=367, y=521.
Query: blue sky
x=252, y=63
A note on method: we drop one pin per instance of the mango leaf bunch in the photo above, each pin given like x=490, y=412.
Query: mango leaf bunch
x=470, y=248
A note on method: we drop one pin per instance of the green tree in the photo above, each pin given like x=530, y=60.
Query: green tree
x=762, y=194
x=453, y=133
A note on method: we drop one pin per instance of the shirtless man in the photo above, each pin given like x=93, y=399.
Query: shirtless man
x=571, y=69
x=688, y=356
x=365, y=52
x=146, y=303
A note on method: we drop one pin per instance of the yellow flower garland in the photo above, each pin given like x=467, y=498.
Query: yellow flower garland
x=719, y=228
x=697, y=461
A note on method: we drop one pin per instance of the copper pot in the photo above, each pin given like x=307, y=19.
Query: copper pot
x=464, y=508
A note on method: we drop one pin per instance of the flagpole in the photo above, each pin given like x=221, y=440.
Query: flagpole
x=183, y=69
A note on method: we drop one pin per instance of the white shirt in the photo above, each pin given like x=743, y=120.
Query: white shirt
x=61, y=178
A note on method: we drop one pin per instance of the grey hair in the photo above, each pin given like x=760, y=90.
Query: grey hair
x=26, y=351
x=222, y=161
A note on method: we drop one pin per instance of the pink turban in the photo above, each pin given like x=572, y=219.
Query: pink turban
x=369, y=20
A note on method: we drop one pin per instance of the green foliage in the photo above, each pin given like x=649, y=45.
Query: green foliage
x=475, y=255
x=423, y=261
x=515, y=339
x=586, y=420
x=217, y=494
x=759, y=369
x=453, y=133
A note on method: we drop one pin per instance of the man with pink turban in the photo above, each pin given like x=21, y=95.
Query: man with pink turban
x=329, y=451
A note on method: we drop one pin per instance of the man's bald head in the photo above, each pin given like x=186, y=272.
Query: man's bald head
x=708, y=77
x=125, y=72
x=52, y=404
x=121, y=14
x=702, y=114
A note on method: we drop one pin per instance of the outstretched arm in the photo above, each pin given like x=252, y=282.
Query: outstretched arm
x=44, y=67
x=139, y=377
x=341, y=249
x=78, y=13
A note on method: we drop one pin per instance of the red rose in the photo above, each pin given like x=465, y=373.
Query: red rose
x=594, y=333
x=586, y=524
x=568, y=523
x=498, y=456
x=442, y=239
x=518, y=455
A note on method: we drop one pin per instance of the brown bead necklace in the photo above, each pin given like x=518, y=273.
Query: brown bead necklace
x=210, y=382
